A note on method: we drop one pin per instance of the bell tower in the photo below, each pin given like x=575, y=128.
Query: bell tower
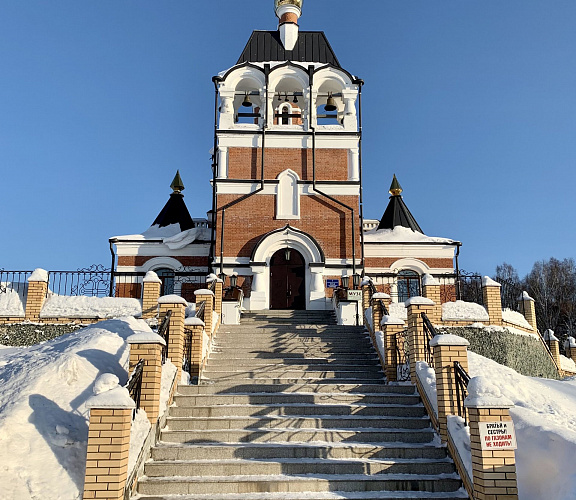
x=287, y=169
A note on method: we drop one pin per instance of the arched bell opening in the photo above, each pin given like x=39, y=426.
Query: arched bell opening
x=288, y=100
x=287, y=280
x=330, y=104
x=248, y=103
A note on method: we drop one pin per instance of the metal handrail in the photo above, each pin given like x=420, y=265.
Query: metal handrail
x=134, y=384
x=461, y=380
x=429, y=333
x=164, y=332
x=200, y=311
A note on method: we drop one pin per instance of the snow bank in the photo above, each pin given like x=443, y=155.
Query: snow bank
x=379, y=336
x=13, y=300
x=401, y=234
x=368, y=315
x=467, y=311
x=90, y=307
x=427, y=378
x=567, y=364
x=460, y=434
x=43, y=414
x=398, y=310
x=515, y=318
x=39, y=274
x=545, y=422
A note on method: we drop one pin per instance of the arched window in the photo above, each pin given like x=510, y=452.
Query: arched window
x=408, y=285
x=167, y=276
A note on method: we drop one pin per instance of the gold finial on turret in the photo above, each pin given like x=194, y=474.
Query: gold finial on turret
x=177, y=184
x=280, y=3
x=395, y=188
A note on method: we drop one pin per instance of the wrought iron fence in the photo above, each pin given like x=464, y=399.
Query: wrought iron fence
x=402, y=356
x=93, y=281
x=510, y=292
x=461, y=380
x=134, y=384
x=14, y=281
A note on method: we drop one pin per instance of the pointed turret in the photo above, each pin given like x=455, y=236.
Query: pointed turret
x=397, y=213
x=288, y=12
x=175, y=210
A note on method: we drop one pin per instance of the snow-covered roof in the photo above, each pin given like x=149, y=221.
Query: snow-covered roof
x=169, y=235
x=402, y=234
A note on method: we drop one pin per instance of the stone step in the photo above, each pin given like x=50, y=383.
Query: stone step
x=296, y=341
x=295, y=435
x=217, y=451
x=318, y=495
x=235, y=382
x=216, y=362
x=304, y=351
x=306, y=483
x=301, y=367
x=260, y=467
x=263, y=355
x=294, y=397
x=282, y=409
x=297, y=421
x=302, y=387
x=293, y=374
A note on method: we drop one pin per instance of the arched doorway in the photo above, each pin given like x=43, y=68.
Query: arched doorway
x=287, y=280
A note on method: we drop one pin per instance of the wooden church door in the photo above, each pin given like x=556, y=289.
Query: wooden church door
x=287, y=281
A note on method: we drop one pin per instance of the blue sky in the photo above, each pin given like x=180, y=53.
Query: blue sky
x=471, y=103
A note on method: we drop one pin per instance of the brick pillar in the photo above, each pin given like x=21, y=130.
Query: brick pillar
x=366, y=296
x=176, y=337
x=431, y=290
x=148, y=346
x=108, y=444
x=554, y=345
x=391, y=327
x=492, y=300
x=376, y=315
x=206, y=296
x=218, y=298
x=529, y=310
x=151, y=285
x=570, y=346
x=493, y=469
x=195, y=328
x=416, y=338
x=37, y=288
x=447, y=349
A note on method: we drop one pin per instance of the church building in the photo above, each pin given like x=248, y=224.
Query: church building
x=287, y=215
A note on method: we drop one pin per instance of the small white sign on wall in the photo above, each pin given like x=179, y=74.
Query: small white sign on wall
x=354, y=295
x=497, y=435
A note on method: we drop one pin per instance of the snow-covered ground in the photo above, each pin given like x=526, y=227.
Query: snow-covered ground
x=545, y=421
x=460, y=310
x=90, y=307
x=13, y=300
x=43, y=418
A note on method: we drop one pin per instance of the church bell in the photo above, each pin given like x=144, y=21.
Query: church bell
x=247, y=103
x=330, y=103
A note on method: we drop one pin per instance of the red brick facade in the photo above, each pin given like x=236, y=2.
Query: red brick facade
x=140, y=260
x=326, y=221
x=331, y=164
x=388, y=261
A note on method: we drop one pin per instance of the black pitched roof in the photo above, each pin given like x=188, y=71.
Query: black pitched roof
x=312, y=46
x=175, y=212
x=397, y=214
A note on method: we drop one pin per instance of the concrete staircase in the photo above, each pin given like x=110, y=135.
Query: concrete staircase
x=294, y=407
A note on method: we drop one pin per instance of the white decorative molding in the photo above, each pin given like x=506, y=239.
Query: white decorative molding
x=288, y=195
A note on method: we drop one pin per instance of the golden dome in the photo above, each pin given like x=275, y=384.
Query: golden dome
x=280, y=3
